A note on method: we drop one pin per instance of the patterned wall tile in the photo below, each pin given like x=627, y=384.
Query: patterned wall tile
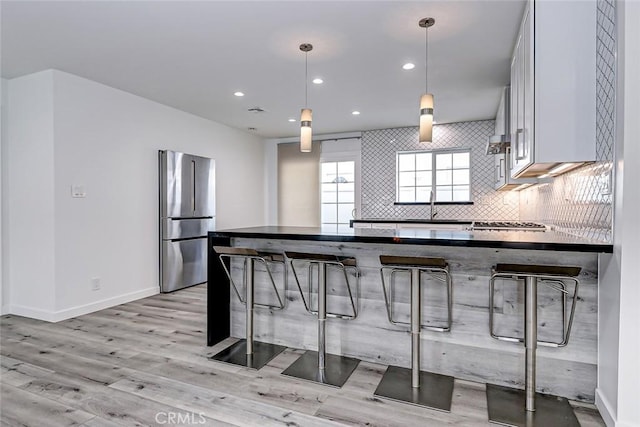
x=379, y=148
x=580, y=202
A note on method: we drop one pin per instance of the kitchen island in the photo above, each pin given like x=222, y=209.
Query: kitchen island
x=468, y=351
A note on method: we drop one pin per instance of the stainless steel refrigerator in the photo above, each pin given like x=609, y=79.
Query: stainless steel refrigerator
x=187, y=213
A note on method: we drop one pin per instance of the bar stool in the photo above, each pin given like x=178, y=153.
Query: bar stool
x=319, y=366
x=247, y=352
x=509, y=406
x=414, y=386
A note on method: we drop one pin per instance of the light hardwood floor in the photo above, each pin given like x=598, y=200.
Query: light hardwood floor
x=140, y=363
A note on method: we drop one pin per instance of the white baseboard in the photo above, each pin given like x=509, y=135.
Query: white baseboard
x=606, y=410
x=4, y=310
x=57, y=316
x=32, y=313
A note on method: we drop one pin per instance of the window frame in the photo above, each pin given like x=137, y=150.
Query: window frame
x=434, y=153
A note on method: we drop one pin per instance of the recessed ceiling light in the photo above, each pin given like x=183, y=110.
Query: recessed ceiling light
x=238, y=93
x=292, y=120
x=409, y=66
x=355, y=113
x=318, y=81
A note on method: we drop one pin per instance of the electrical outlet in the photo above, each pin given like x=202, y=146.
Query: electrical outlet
x=606, y=186
x=95, y=284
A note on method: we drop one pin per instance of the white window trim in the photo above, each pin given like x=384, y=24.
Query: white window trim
x=433, y=182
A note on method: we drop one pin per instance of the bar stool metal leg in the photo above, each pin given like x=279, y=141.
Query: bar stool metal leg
x=513, y=407
x=531, y=340
x=414, y=386
x=250, y=307
x=415, y=327
x=320, y=366
x=322, y=320
x=248, y=352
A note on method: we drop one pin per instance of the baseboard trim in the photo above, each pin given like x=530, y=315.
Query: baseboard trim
x=4, y=310
x=32, y=313
x=606, y=410
x=57, y=316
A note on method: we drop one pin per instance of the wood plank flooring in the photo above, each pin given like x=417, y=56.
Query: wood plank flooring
x=145, y=363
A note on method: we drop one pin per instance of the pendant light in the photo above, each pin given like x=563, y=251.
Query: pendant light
x=305, y=116
x=426, y=101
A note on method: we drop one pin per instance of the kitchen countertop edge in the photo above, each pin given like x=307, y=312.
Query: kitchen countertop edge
x=548, y=241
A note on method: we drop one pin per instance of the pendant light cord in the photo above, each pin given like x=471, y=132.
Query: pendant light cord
x=426, y=59
x=306, y=78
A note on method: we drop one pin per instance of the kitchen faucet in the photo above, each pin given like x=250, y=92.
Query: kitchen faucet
x=432, y=200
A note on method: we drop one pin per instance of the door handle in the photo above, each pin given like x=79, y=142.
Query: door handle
x=193, y=185
x=518, y=145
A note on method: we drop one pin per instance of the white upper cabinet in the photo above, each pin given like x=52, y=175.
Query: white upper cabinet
x=553, y=88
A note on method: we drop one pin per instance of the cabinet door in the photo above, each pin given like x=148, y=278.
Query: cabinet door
x=528, y=99
x=523, y=138
x=516, y=97
x=514, y=100
x=500, y=170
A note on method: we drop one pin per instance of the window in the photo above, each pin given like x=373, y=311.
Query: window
x=338, y=197
x=446, y=173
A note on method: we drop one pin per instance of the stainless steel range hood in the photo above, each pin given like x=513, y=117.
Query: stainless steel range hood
x=499, y=142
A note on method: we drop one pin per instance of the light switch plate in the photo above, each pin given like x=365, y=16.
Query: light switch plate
x=78, y=191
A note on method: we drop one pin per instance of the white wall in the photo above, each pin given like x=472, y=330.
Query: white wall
x=271, y=181
x=3, y=102
x=629, y=228
x=619, y=318
x=106, y=140
x=28, y=191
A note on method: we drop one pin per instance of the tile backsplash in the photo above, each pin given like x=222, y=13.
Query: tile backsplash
x=580, y=202
x=379, y=148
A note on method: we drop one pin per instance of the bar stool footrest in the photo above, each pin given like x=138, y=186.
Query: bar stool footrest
x=235, y=354
x=506, y=406
x=435, y=390
x=337, y=371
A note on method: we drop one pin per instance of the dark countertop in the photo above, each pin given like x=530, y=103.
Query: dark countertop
x=547, y=241
x=413, y=221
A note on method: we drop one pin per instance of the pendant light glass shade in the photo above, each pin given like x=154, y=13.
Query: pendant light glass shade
x=305, y=130
x=426, y=118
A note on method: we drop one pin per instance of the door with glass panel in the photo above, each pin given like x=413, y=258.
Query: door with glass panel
x=338, y=194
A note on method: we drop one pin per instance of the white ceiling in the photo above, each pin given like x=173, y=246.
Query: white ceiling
x=194, y=55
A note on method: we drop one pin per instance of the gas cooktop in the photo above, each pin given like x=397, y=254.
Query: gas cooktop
x=508, y=225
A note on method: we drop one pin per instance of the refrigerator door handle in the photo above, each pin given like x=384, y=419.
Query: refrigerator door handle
x=184, y=239
x=193, y=186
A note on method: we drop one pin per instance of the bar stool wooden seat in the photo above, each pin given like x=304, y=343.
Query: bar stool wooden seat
x=248, y=352
x=413, y=385
x=319, y=366
x=509, y=406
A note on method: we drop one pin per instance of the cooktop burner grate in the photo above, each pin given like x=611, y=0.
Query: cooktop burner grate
x=508, y=225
